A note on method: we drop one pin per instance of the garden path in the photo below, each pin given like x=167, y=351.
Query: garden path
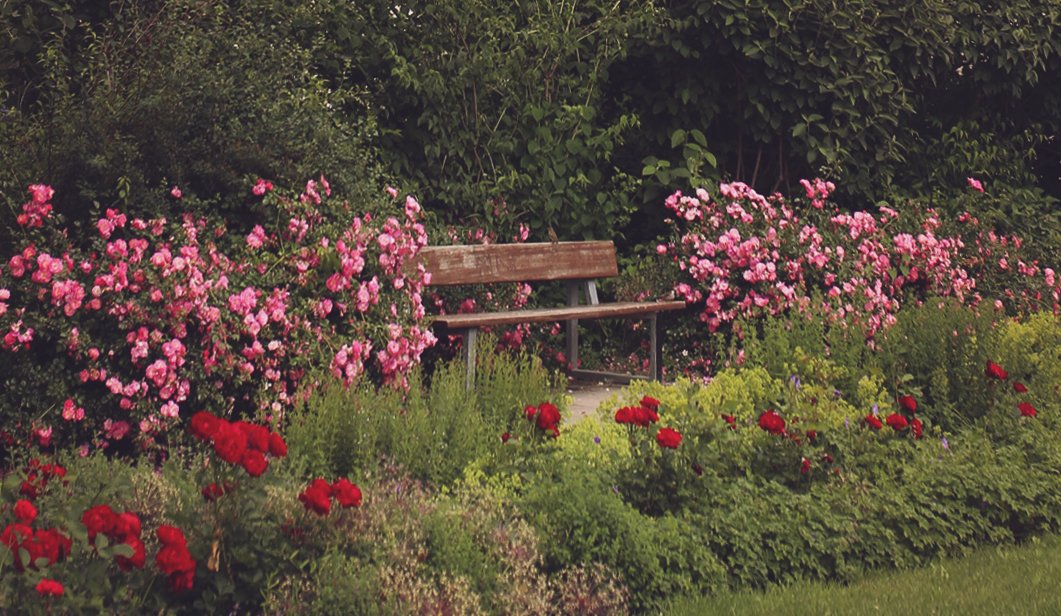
x=587, y=396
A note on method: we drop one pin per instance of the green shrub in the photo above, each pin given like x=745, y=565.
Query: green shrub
x=434, y=431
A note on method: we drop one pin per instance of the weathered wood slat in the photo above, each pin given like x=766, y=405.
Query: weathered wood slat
x=540, y=315
x=493, y=263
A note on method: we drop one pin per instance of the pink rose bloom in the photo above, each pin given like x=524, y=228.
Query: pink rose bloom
x=175, y=192
x=975, y=184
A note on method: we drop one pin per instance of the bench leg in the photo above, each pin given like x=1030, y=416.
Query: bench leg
x=653, y=350
x=468, y=354
x=572, y=329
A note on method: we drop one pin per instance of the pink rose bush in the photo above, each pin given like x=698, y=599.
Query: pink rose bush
x=122, y=338
x=743, y=255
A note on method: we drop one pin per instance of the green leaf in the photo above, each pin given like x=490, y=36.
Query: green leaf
x=677, y=137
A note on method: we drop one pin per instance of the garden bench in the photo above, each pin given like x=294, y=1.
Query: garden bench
x=578, y=264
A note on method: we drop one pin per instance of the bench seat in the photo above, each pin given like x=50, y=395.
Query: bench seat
x=562, y=313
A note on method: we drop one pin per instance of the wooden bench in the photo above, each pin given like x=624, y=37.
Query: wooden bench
x=576, y=263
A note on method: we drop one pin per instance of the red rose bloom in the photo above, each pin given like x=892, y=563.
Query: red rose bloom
x=254, y=462
x=917, y=427
x=505, y=436
x=995, y=371
x=170, y=536
x=99, y=519
x=1027, y=410
x=531, y=411
x=731, y=420
x=317, y=497
x=873, y=422
x=229, y=442
x=624, y=415
x=137, y=559
x=126, y=525
x=897, y=422
x=25, y=511
x=804, y=466
x=669, y=438
x=257, y=436
x=202, y=425
x=908, y=404
x=346, y=494
x=650, y=403
x=14, y=535
x=1019, y=387
x=277, y=446
x=772, y=422
x=645, y=416
x=49, y=588
x=48, y=544
x=548, y=417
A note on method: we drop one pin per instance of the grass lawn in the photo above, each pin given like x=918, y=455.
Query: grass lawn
x=1004, y=580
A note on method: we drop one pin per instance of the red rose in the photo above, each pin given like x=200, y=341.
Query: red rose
x=643, y=416
x=254, y=462
x=548, y=417
x=49, y=588
x=772, y=422
x=917, y=427
x=812, y=434
x=1027, y=410
x=25, y=511
x=804, y=466
x=531, y=411
x=202, y=425
x=731, y=420
x=277, y=446
x=317, y=497
x=896, y=421
x=1019, y=387
x=505, y=437
x=257, y=436
x=175, y=560
x=346, y=494
x=828, y=459
x=48, y=544
x=669, y=438
x=137, y=559
x=995, y=371
x=126, y=525
x=650, y=403
x=229, y=442
x=873, y=422
x=171, y=536
x=624, y=415
x=99, y=519
x=14, y=535
x=908, y=404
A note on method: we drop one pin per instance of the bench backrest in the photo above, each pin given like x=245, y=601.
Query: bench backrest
x=492, y=263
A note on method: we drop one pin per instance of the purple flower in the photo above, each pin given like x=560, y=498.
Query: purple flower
x=876, y=409
x=596, y=439
x=946, y=444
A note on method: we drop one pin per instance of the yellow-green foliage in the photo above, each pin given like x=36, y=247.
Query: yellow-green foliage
x=598, y=442
x=1031, y=352
x=743, y=393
